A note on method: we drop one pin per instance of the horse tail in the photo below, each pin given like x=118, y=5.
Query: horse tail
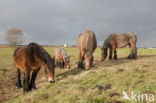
x=16, y=51
x=91, y=43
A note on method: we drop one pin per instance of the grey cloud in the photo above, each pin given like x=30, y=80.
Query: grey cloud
x=55, y=22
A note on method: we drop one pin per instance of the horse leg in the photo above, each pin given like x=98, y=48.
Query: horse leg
x=115, y=55
x=57, y=62
x=81, y=59
x=79, y=62
x=91, y=61
x=110, y=53
x=134, y=53
x=26, y=81
x=33, y=77
x=18, y=83
x=62, y=64
x=131, y=51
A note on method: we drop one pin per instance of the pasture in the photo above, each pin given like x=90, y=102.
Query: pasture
x=103, y=83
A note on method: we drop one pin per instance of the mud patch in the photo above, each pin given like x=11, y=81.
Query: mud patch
x=114, y=94
x=99, y=87
x=145, y=66
x=120, y=70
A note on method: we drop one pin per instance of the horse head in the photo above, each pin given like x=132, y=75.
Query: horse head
x=50, y=70
x=49, y=64
x=66, y=62
x=103, y=54
x=88, y=60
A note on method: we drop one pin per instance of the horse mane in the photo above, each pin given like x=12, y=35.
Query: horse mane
x=35, y=49
x=108, y=39
x=90, y=43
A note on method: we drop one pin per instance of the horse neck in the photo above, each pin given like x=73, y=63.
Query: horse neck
x=50, y=65
x=106, y=44
x=44, y=56
x=109, y=38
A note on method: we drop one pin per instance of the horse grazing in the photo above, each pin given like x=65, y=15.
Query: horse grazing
x=86, y=45
x=114, y=41
x=61, y=58
x=31, y=58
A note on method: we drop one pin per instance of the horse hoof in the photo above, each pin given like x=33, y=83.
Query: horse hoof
x=18, y=86
x=51, y=81
x=78, y=67
x=26, y=91
x=87, y=69
x=33, y=88
x=81, y=68
x=129, y=57
x=114, y=58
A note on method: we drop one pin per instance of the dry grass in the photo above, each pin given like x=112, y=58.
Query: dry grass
x=103, y=83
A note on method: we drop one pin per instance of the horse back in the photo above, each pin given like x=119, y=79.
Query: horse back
x=60, y=53
x=87, y=41
x=23, y=59
x=125, y=39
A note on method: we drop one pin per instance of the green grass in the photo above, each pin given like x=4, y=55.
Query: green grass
x=80, y=86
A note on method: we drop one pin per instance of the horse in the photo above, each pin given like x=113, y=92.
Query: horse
x=86, y=44
x=61, y=58
x=114, y=41
x=31, y=58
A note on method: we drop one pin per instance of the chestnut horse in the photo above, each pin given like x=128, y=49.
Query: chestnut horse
x=31, y=58
x=61, y=58
x=86, y=45
x=114, y=41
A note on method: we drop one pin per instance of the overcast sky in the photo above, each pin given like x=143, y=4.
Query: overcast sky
x=56, y=22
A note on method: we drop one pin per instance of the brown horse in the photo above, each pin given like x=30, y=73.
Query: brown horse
x=31, y=58
x=114, y=41
x=61, y=58
x=86, y=45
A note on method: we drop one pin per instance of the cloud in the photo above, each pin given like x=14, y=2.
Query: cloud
x=56, y=22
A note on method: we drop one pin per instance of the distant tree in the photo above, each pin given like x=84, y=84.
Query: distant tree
x=14, y=37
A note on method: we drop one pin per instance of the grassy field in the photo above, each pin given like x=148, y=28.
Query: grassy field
x=103, y=83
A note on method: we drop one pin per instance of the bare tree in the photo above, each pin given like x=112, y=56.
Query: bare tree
x=14, y=36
